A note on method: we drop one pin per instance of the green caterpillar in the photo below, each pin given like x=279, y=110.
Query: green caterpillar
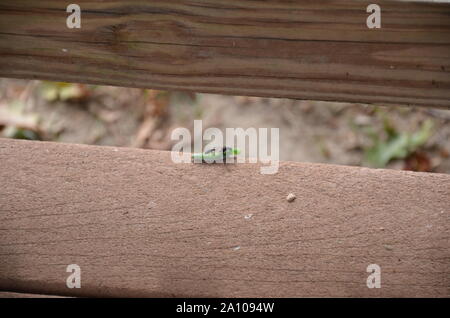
x=215, y=155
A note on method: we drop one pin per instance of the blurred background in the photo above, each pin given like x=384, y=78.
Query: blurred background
x=406, y=138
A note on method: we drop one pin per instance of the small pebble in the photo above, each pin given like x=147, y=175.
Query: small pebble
x=291, y=197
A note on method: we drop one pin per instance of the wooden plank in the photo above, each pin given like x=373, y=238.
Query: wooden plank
x=139, y=225
x=23, y=295
x=320, y=50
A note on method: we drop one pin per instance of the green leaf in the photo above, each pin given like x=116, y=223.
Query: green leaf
x=397, y=145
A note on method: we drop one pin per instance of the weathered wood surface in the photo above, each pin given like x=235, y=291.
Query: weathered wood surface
x=24, y=295
x=320, y=50
x=139, y=225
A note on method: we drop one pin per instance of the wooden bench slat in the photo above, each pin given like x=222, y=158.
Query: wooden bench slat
x=319, y=50
x=24, y=295
x=139, y=225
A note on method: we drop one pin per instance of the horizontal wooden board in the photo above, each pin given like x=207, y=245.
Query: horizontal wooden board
x=139, y=225
x=319, y=50
x=24, y=295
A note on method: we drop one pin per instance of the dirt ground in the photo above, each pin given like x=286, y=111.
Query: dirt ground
x=409, y=138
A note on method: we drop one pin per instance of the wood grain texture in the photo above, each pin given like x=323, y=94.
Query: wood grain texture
x=139, y=225
x=315, y=49
x=24, y=295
